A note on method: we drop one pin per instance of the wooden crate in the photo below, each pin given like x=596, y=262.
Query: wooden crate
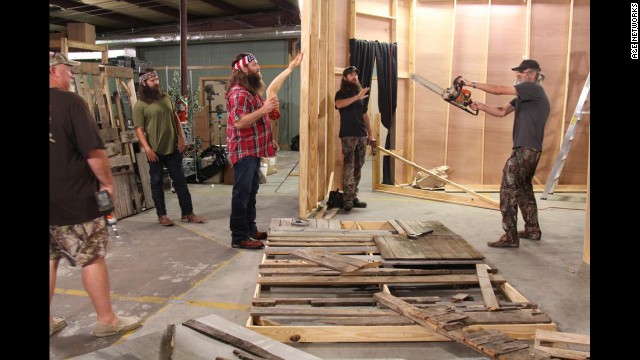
x=297, y=300
x=127, y=199
x=82, y=32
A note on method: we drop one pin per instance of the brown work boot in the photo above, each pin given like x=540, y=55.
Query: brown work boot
x=248, y=244
x=259, y=235
x=359, y=204
x=531, y=235
x=503, y=242
x=193, y=218
x=165, y=221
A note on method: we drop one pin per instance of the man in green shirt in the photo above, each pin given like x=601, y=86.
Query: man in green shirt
x=160, y=135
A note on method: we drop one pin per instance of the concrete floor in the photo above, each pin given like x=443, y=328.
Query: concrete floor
x=173, y=274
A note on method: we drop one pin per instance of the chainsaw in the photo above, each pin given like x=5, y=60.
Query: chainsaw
x=454, y=95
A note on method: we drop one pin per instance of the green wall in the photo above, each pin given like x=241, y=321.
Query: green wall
x=269, y=52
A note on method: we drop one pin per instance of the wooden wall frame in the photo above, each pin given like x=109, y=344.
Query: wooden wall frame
x=64, y=45
x=479, y=39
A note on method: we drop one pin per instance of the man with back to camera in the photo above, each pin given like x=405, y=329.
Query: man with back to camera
x=78, y=167
x=532, y=108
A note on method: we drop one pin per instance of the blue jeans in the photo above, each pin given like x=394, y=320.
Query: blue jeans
x=246, y=181
x=173, y=162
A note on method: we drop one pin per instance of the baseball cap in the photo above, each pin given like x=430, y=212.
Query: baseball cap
x=349, y=70
x=57, y=57
x=527, y=64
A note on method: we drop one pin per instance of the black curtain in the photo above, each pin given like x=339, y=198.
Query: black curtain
x=362, y=55
x=387, y=71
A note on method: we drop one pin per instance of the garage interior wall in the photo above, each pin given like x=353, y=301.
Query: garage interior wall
x=439, y=40
x=213, y=60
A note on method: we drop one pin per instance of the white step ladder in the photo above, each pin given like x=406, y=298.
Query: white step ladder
x=566, y=143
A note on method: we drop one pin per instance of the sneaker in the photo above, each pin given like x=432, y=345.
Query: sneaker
x=259, y=235
x=58, y=324
x=359, y=204
x=503, y=242
x=248, y=244
x=123, y=324
x=165, y=221
x=193, y=218
x=348, y=205
x=532, y=235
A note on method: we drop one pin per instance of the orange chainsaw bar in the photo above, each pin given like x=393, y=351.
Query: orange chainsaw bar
x=454, y=95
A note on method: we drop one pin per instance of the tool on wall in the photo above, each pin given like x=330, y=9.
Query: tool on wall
x=454, y=95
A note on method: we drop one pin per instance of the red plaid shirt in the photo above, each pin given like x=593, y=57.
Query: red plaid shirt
x=256, y=140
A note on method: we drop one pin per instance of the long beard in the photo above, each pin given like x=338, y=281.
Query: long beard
x=152, y=94
x=351, y=87
x=255, y=80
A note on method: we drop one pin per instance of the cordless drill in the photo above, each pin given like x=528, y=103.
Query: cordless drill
x=112, y=221
x=106, y=205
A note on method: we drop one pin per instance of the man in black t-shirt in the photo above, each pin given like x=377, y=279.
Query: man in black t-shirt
x=355, y=134
x=531, y=106
x=78, y=167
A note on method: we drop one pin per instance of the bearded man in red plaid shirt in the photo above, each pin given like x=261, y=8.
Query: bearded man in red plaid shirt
x=248, y=139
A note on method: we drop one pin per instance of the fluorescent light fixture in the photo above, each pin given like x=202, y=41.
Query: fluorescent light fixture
x=96, y=55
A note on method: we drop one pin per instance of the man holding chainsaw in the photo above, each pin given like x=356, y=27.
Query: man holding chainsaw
x=355, y=134
x=531, y=106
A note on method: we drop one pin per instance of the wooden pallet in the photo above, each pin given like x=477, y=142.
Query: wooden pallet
x=327, y=299
x=385, y=240
x=452, y=323
x=557, y=343
x=95, y=84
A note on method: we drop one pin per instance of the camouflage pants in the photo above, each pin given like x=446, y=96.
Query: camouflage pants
x=516, y=191
x=353, y=153
x=80, y=243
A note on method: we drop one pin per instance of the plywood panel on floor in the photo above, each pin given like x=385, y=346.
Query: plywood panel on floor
x=427, y=247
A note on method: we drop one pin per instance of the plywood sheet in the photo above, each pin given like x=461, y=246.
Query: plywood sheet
x=373, y=28
x=434, y=38
x=549, y=45
x=575, y=168
x=378, y=7
x=464, y=151
x=507, y=45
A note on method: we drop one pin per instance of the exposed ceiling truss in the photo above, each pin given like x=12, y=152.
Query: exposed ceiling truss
x=139, y=17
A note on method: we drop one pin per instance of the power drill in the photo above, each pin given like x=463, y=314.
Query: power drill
x=106, y=205
x=112, y=221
